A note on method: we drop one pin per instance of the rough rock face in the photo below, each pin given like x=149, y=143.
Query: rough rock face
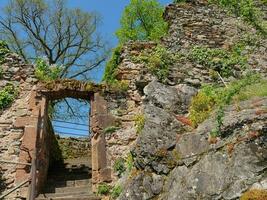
x=174, y=161
x=157, y=139
x=231, y=166
x=199, y=169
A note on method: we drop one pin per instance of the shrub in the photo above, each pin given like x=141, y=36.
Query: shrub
x=103, y=189
x=211, y=97
x=139, y=122
x=157, y=60
x=118, y=86
x=44, y=72
x=220, y=60
x=119, y=166
x=201, y=107
x=7, y=96
x=3, y=50
x=254, y=194
x=116, y=191
x=142, y=20
x=112, y=64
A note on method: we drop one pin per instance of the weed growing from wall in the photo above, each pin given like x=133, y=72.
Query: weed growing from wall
x=7, y=96
x=220, y=60
x=157, y=60
x=103, y=189
x=139, y=122
x=116, y=191
x=44, y=72
x=119, y=166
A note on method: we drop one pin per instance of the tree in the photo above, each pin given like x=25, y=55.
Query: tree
x=47, y=28
x=142, y=20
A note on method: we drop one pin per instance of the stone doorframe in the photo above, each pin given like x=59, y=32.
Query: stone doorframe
x=37, y=127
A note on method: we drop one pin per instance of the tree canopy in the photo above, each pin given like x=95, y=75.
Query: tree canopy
x=142, y=20
x=46, y=28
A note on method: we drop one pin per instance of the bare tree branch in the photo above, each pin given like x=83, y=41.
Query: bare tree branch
x=67, y=37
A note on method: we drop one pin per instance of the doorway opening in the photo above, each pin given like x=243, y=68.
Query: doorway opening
x=70, y=166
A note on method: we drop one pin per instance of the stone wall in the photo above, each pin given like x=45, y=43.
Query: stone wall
x=15, y=72
x=74, y=147
x=202, y=24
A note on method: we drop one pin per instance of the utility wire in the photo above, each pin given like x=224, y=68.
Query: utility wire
x=78, y=129
x=70, y=123
x=72, y=134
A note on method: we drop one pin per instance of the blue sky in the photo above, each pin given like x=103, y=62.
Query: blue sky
x=110, y=11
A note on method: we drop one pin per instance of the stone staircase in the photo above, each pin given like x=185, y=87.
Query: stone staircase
x=69, y=182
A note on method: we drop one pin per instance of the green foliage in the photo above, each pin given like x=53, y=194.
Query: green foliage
x=139, y=120
x=255, y=90
x=157, y=60
x=201, y=107
x=44, y=72
x=210, y=98
x=119, y=166
x=246, y=9
x=116, y=191
x=3, y=50
x=103, y=189
x=118, y=86
x=219, y=122
x=179, y=1
x=220, y=60
x=142, y=20
x=7, y=96
x=112, y=64
x=111, y=129
x=129, y=162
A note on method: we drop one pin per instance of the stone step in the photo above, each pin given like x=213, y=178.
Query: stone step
x=69, y=183
x=78, y=197
x=64, y=195
x=82, y=189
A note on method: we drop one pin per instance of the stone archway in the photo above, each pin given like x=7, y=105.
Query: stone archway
x=38, y=131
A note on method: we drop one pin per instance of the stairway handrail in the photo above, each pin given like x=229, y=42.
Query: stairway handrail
x=32, y=187
x=14, y=162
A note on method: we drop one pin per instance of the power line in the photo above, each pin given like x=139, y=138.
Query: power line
x=70, y=123
x=78, y=129
x=71, y=134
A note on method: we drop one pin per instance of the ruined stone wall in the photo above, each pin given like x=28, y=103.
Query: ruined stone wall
x=74, y=147
x=203, y=24
x=25, y=126
x=21, y=75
